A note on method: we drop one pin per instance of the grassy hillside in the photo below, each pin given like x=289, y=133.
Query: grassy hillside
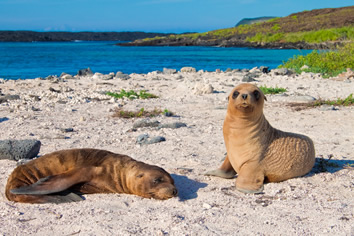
x=320, y=26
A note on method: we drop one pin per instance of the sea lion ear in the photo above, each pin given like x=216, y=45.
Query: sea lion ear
x=227, y=98
x=265, y=98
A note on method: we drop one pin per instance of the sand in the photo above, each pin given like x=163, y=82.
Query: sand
x=320, y=203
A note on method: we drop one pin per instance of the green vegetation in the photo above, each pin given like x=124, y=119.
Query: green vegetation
x=132, y=94
x=138, y=114
x=328, y=63
x=348, y=101
x=276, y=27
x=318, y=36
x=276, y=90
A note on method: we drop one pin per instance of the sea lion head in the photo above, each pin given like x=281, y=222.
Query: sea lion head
x=151, y=182
x=246, y=100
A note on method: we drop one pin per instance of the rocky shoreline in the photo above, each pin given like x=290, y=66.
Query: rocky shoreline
x=232, y=43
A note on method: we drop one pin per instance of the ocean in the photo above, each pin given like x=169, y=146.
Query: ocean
x=41, y=59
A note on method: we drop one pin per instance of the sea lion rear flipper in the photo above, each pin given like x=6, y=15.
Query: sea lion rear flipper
x=55, y=183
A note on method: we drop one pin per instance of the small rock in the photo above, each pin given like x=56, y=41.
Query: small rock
x=203, y=89
x=65, y=76
x=206, y=206
x=188, y=70
x=156, y=139
x=175, y=125
x=19, y=149
x=121, y=75
x=168, y=71
x=328, y=108
x=142, y=138
x=7, y=97
x=102, y=76
x=85, y=72
x=249, y=77
x=53, y=78
x=281, y=71
x=264, y=69
x=67, y=130
x=145, y=123
x=145, y=139
x=54, y=90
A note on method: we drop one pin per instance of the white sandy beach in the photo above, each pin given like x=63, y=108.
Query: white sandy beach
x=316, y=204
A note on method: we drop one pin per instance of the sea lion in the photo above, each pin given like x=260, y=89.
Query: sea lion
x=256, y=151
x=57, y=177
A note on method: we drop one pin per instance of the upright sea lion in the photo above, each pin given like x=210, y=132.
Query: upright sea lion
x=256, y=151
x=57, y=177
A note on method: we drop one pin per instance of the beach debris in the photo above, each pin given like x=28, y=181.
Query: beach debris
x=19, y=149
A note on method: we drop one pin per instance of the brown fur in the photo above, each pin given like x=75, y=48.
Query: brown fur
x=56, y=176
x=255, y=150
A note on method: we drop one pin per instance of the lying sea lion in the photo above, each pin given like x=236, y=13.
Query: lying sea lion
x=256, y=151
x=57, y=177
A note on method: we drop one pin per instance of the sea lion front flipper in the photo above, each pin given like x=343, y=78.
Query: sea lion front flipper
x=56, y=183
x=225, y=171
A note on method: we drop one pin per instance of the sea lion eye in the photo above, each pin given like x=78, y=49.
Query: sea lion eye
x=157, y=180
x=235, y=94
x=140, y=175
x=256, y=94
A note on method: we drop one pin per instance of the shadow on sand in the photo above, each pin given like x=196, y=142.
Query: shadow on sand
x=187, y=188
x=328, y=165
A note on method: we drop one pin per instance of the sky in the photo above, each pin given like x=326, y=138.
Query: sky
x=165, y=16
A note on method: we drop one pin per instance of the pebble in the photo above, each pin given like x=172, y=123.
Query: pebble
x=145, y=123
x=175, y=125
x=145, y=139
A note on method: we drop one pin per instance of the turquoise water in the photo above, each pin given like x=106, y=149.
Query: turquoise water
x=40, y=59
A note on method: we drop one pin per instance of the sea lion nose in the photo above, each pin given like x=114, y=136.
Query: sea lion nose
x=174, y=192
x=244, y=96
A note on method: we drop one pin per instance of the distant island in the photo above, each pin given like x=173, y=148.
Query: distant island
x=33, y=36
x=317, y=29
x=250, y=21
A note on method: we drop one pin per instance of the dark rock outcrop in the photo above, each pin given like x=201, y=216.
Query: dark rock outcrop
x=19, y=149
